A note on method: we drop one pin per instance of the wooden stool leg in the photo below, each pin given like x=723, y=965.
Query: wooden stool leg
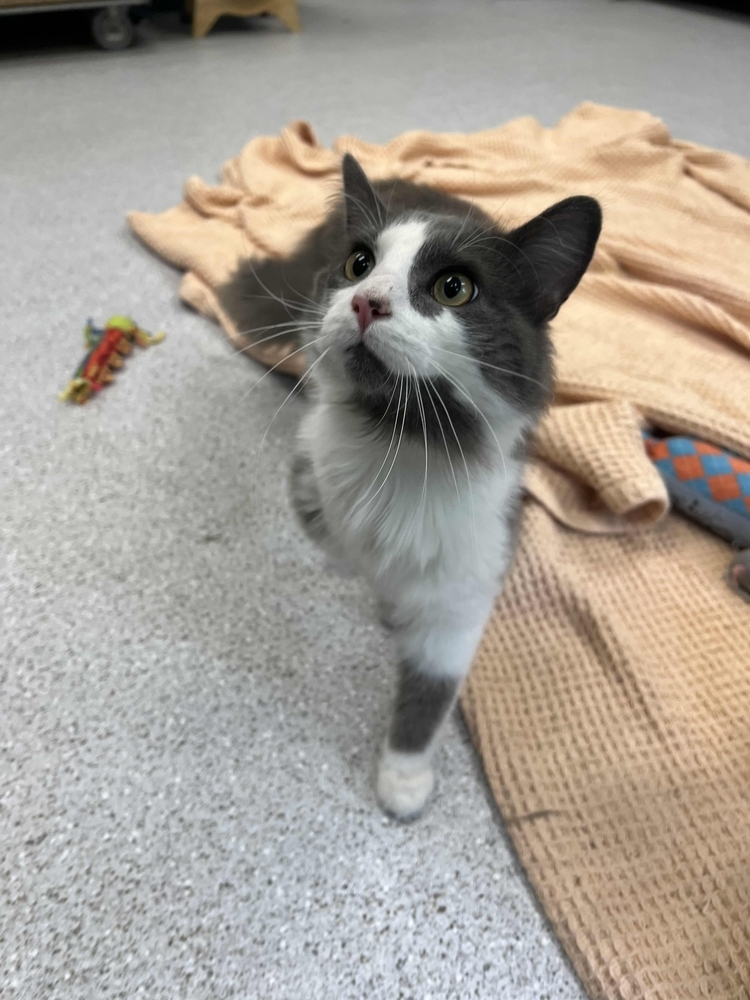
x=286, y=11
x=205, y=16
x=207, y=12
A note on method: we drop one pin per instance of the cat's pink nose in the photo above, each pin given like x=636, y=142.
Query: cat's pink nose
x=368, y=308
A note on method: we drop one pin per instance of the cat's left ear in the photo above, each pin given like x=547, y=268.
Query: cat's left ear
x=364, y=210
x=553, y=252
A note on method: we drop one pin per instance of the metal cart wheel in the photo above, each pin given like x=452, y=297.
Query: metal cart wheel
x=112, y=28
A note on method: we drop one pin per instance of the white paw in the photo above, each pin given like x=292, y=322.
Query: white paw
x=403, y=788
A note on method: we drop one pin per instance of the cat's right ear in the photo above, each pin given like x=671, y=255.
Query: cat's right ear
x=363, y=209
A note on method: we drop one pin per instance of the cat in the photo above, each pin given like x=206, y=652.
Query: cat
x=427, y=328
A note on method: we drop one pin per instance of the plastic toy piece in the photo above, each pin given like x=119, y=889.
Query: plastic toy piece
x=107, y=348
x=707, y=484
x=712, y=487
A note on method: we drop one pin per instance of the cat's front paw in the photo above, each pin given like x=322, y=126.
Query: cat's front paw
x=405, y=782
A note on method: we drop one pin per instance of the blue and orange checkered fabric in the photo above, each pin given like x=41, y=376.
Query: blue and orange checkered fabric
x=715, y=474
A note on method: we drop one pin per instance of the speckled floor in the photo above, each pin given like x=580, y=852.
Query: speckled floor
x=190, y=702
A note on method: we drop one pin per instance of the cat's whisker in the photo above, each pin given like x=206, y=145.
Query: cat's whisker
x=422, y=417
x=314, y=309
x=429, y=389
x=299, y=306
x=400, y=384
x=469, y=210
x=376, y=223
x=312, y=303
x=295, y=389
x=256, y=343
x=296, y=327
x=276, y=298
x=486, y=364
x=462, y=389
x=486, y=244
x=292, y=324
x=482, y=231
x=390, y=200
x=398, y=446
x=497, y=214
x=273, y=369
x=470, y=240
x=502, y=239
x=269, y=293
x=468, y=476
x=390, y=400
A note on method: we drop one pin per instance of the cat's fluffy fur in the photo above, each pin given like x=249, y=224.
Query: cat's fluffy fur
x=409, y=461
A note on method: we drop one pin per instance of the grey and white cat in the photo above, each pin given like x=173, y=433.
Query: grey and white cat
x=431, y=362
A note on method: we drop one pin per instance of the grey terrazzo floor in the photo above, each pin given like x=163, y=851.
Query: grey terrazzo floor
x=190, y=702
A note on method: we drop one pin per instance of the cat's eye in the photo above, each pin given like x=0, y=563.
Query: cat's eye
x=358, y=264
x=454, y=289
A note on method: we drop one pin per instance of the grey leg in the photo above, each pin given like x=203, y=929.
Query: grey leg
x=306, y=500
x=437, y=648
x=405, y=774
x=422, y=703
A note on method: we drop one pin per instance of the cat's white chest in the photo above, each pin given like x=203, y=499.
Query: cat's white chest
x=398, y=515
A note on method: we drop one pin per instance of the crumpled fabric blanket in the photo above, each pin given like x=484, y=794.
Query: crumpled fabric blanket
x=610, y=699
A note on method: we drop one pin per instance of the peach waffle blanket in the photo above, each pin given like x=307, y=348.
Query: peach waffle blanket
x=610, y=699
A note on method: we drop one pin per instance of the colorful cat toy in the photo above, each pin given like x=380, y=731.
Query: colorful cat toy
x=106, y=350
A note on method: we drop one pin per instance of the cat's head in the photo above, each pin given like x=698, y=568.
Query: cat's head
x=437, y=293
